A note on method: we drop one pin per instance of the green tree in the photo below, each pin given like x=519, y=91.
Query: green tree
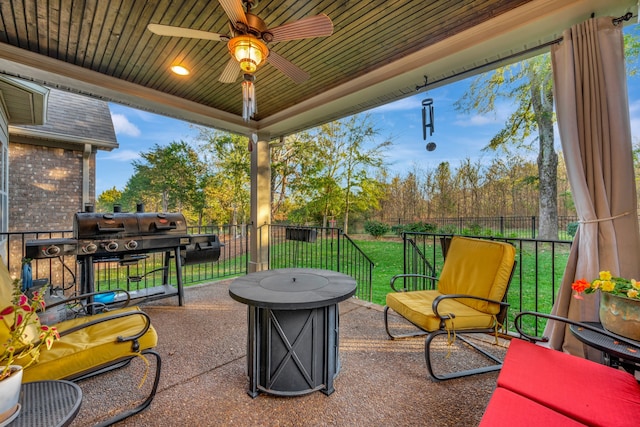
x=445, y=190
x=173, y=174
x=361, y=190
x=227, y=192
x=528, y=85
x=107, y=199
x=295, y=161
x=340, y=172
x=137, y=190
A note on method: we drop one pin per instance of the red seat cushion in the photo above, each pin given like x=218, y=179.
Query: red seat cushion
x=508, y=409
x=583, y=390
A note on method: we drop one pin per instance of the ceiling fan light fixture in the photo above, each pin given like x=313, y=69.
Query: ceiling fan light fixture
x=180, y=70
x=248, y=51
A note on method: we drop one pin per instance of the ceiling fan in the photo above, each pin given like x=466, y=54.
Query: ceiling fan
x=247, y=44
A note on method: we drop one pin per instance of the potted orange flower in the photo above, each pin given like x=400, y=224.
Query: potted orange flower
x=619, y=302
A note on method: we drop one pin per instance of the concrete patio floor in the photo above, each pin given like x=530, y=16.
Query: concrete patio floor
x=204, y=381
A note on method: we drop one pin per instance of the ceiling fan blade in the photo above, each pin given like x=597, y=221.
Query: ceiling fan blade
x=294, y=72
x=234, y=10
x=166, y=30
x=231, y=72
x=311, y=26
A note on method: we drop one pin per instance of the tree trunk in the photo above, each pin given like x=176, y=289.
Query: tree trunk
x=542, y=100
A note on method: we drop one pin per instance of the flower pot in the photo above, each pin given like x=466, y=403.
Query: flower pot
x=10, y=394
x=620, y=315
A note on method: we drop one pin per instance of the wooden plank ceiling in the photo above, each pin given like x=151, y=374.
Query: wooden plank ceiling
x=111, y=38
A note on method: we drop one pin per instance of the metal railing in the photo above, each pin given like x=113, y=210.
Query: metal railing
x=154, y=271
x=538, y=274
x=536, y=280
x=324, y=248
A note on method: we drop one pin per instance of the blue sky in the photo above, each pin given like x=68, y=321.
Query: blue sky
x=457, y=136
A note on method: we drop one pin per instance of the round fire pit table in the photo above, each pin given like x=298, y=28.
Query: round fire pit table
x=292, y=341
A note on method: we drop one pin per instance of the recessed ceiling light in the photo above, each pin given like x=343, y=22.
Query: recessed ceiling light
x=180, y=70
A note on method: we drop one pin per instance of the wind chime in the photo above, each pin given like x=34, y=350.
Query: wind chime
x=428, y=122
x=249, y=105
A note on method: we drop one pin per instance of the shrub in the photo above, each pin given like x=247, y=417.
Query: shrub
x=449, y=229
x=376, y=229
x=421, y=227
x=474, y=229
x=397, y=229
x=572, y=228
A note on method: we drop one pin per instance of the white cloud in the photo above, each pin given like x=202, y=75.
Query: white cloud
x=475, y=120
x=401, y=105
x=496, y=117
x=123, y=126
x=121, y=155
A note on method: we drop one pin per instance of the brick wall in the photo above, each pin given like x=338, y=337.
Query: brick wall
x=45, y=187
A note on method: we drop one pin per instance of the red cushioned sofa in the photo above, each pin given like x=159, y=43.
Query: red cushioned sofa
x=538, y=386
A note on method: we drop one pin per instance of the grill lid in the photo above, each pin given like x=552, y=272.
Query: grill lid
x=90, y=225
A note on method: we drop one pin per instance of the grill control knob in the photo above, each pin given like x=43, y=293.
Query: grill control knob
x=51, y=251
x=90, y=248
x=131, y=245
x=111, y=246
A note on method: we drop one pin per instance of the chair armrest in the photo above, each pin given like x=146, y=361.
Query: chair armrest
x=404, y=288
x=518, y=323
x=439, y=298
x=102, y=318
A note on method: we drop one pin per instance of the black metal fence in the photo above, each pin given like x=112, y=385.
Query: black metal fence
x=324, y=248
x=305, y=247
x=538, y=275
x=503, y=226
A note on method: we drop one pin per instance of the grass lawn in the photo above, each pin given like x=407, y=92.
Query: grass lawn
x=534, y=260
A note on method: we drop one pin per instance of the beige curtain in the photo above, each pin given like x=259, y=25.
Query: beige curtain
x=593, y=119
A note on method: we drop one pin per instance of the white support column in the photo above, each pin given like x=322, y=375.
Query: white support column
x=260, y=203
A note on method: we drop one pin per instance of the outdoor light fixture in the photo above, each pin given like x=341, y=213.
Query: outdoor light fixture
x=180, y=70
x=248, y=51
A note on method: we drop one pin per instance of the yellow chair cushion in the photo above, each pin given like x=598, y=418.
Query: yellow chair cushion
x=89, y=348
x=477, y=267
x=416, y=306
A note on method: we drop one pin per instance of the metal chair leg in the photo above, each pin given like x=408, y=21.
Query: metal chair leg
x=463, y=373
x=393, y=337
x=146, y=402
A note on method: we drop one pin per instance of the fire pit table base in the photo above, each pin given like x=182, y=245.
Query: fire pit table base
x=292, y=352
x=293, y=328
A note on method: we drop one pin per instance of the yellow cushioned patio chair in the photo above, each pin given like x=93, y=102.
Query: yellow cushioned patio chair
x=90, y=345
x=470, y=298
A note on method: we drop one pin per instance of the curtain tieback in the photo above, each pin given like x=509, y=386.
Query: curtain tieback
x=611, y=218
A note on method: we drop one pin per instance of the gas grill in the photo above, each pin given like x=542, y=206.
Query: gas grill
x=127, y=238
x=109, y=235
